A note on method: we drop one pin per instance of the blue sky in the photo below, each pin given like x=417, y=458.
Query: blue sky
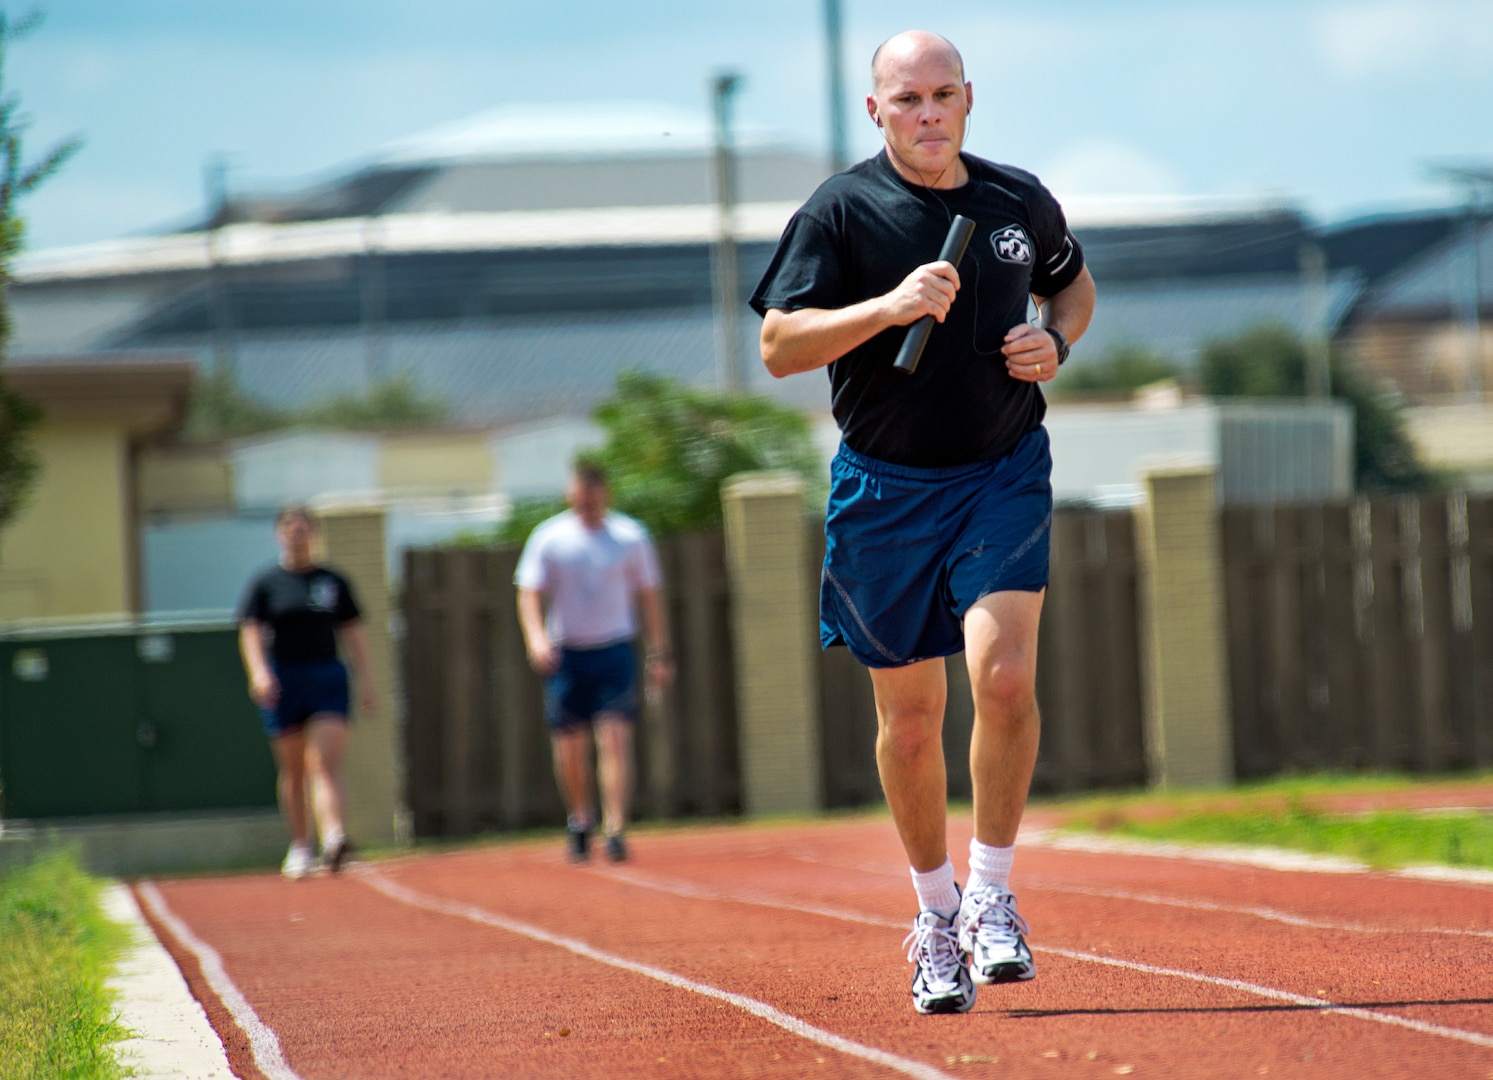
x=1335, y=106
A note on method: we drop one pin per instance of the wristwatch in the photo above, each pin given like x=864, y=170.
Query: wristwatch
x=1061, y=342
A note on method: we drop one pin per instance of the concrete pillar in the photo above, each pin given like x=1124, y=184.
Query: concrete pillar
x=1189, y=731
x=773, y=625
x=353, y=539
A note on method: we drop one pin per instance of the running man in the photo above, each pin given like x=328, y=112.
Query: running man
x=595, y=570
x=292, y=619
x=940, y=502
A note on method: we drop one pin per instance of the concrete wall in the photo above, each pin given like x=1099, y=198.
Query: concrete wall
x=1185, y=678
x=184, y=480
x=273, y=471
x=533, y=461
x=445, y=463
x=353, y=541
x=773, y=626
x=1458, y=437
x=69, y=554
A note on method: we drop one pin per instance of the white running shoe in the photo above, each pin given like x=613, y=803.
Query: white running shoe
x=298, y=862
x=990, y=932
x=940, y=983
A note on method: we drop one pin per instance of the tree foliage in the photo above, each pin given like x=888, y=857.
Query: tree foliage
x=220, y=409
x=1119, y=372
x=1270, y=361
x=19, y=463
x=396, y=402
x=669, y=448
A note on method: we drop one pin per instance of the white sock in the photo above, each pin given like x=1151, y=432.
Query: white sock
x=332, y=839
x=990, y=866
x=937, y=891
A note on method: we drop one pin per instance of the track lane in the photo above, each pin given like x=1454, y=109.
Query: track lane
x=443, y=999
x=757, y=865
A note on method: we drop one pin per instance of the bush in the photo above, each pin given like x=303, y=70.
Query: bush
x=669, y=448
x=1120, y=372
x=220, y=409
x=1270, y=361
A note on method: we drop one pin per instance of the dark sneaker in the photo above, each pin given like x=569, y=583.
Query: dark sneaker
x=578, y=843
x=335, y=855
x=990, y=931
x=616, y=848
x=940, y=983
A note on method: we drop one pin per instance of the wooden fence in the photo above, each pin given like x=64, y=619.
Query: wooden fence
x=1352, y=638
x=477, y=749
x=475, y=741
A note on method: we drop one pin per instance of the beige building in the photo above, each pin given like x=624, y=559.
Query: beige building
x=72, y=552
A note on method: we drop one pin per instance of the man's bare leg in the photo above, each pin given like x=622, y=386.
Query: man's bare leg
x=614, y=770
x=573, y=751
x=1000, y=642
x=326, y=745
x=909, y=756
x=1000, y=637
x=290, y=762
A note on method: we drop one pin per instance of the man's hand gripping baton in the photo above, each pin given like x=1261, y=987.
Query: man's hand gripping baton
x=960, y=230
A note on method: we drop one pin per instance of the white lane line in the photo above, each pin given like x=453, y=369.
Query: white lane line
x=688, y=890
x=1037, y=839
x=262, y=1040
x=1267, y=858
x=171, y=1038
x=762, y=1010
x=1256, y=912
x=1473, y=1037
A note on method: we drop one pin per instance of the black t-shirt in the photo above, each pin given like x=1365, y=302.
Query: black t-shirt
x=866, y=229
x=302, y=609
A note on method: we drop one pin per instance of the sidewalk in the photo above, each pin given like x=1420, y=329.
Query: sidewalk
x=174, y=1040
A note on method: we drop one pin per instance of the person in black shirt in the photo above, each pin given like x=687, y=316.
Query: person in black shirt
x=292, y=619
x=941, y=497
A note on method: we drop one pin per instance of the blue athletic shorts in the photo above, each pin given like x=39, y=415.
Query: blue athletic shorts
x=591, y=681
x=909, y=551
x=305, y=690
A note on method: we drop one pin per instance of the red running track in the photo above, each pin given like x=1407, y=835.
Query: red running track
x=773, y=951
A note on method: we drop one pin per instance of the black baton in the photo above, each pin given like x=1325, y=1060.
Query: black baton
x=960, y=230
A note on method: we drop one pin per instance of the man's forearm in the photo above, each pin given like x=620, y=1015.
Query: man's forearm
x=655, y=629
x=355, y=649
x=812, y=338
x=251, y=648
x=1069, y=311
x=531, y=616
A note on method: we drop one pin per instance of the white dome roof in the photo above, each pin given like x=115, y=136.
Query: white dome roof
x=572, y=129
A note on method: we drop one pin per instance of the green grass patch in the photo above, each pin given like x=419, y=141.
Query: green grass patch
x=57, y=1016
x=1314, y=814
x=1384, y=838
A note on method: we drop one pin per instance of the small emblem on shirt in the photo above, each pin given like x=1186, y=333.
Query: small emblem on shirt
x=323, y=595
x=1011, y=245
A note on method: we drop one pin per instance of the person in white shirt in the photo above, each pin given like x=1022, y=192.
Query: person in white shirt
x=584, y=579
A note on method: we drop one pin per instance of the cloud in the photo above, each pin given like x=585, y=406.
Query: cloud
x=1402, y=38
x=1106, y=166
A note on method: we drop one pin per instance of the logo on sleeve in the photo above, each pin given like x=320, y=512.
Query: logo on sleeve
x=1011, y=245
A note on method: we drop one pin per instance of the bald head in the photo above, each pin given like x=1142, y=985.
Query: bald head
x=913, y=46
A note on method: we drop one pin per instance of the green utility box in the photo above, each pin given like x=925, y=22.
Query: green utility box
x=128, y=719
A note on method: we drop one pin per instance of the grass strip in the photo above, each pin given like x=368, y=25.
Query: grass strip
x=57, y=1016
x=1385, y=839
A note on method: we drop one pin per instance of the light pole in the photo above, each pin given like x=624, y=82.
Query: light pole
x=1313, y=262
x=723, y=87
x=1476, y=180
x=215, y=181
x=839, y=155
